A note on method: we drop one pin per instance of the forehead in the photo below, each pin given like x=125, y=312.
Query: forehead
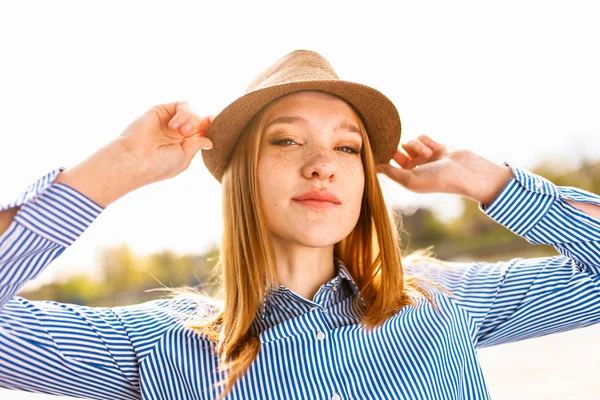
x=313, y=102
x=308, y=108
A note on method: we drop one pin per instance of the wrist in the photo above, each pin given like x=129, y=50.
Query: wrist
x=487, y=182
x=105, y=176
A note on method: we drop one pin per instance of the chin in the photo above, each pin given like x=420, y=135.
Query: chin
x=315, y=237
x=315, y=243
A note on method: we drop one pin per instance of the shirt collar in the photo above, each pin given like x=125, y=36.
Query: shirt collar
x=280, y=295
x=344, y=274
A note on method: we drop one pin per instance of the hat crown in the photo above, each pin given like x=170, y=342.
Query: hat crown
x=299, y=65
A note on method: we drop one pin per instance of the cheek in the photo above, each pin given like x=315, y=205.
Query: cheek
x=273, y=175
x=354, y=181
x=353, y=176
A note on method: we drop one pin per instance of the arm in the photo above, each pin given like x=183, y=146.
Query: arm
x=52, y=213
x=524, y=298
x=69, y=349
x=494, y=178
x=45, y=346
x=102, y=178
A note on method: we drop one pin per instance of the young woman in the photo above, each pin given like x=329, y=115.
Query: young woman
x=317, y=300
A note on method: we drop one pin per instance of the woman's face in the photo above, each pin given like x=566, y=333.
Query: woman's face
x=309, y=143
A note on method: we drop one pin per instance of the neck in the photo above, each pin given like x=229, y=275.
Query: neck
x=304, y=269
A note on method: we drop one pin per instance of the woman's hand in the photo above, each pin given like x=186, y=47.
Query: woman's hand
x=158, y=145
x=164, y=140
x=429, y=167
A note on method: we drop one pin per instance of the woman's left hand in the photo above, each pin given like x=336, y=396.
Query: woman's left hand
x=429, y=167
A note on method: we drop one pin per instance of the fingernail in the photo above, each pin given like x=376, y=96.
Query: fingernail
x=175, y=125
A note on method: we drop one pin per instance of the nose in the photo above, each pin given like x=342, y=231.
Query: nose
x=321, y=165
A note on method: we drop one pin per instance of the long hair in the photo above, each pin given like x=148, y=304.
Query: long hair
x=247, y=261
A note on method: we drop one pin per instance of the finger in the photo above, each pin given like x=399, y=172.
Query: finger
x=195, y=125
x=401, y=158
x=171, y=108
x=190, y=126
x=189, y=122
x=203, y=123
x=182, y=114
x=399, y=175
x=416, y=148
x=191, y=146
x=405, y=161
x=429, y=142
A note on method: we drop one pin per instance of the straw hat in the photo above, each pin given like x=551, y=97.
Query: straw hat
x=296, y=71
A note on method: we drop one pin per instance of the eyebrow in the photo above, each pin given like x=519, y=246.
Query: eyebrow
x=293, y=119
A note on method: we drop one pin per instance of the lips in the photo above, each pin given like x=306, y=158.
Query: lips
x=318, y=196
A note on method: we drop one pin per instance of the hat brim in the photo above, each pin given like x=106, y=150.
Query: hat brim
x=376, y=110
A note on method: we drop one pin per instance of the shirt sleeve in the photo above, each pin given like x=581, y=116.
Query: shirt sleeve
x=530, y=297
x=51, y=217
x=55, y=348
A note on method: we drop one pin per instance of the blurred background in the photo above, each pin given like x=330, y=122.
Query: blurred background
x=515, y=81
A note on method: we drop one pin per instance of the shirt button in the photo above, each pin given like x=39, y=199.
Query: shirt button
x=335, y=396
x=320, y=335
x=334, y=288
x=538, y=184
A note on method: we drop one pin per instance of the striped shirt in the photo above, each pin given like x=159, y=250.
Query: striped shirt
x=310, y=349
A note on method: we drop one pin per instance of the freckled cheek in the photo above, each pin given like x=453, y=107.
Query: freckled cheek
x=353, y=180
x=274, y=175
x=351, y=173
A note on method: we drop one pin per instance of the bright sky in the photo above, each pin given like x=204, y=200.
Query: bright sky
x=513, y=81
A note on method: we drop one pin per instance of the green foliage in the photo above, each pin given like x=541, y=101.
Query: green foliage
x=126, y=278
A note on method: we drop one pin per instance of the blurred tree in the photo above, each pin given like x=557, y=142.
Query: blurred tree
x=121, y=270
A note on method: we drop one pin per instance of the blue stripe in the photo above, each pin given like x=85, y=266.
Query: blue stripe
x=144, y=351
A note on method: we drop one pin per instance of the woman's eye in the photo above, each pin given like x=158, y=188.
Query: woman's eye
x=350, y=150
x=285, y=140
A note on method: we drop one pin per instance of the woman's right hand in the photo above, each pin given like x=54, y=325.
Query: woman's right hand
x=164, y=140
